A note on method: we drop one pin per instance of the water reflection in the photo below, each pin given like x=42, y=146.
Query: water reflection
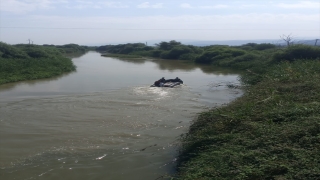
x=174, y=65
x=130, y=60
x=9, y=86
x=219, y=70
x=75, y=55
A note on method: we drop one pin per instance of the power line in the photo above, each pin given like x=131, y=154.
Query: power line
x=153, y=29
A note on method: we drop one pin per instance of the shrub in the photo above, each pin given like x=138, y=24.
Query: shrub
x=294, y=52
x=142, y=53
x=246, y=57
x=8, y=51
x=177, y=51
x=264, y=46
x=147, y=48
x=217, y=53
x=25, y=62
x=206, y=57
x=189, y=56
x=156, y=53
x=168, y=45
x=235, y=52
x=164, y=55
x=36, y=52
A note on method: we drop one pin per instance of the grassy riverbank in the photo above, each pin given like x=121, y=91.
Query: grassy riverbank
x=239, y=57
x=27, y=62
x=272, y=132
x=123, y=56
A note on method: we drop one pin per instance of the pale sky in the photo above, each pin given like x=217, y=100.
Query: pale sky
x=89, y=22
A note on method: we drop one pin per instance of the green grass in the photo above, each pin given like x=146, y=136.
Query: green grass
x=272, y=132
x=27, y=62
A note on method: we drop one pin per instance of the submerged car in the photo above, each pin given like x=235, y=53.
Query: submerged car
x=167, y=83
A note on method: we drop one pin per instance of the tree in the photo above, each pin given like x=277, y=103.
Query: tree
x=168, y=45
x=163, y=45
x=288, y=39
x=174, y=43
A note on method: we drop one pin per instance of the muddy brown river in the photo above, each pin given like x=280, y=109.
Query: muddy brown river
x=104, y=121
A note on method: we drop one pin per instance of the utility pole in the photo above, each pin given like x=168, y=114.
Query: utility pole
x=29, y=41
x=315, y=44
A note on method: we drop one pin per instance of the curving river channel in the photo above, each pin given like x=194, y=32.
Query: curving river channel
x=104, y=121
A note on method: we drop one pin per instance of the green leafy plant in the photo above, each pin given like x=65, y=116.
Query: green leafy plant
x=26, y=62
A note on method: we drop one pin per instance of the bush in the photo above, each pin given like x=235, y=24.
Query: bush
x=218, y=53
x=168, y=45
x=147, y=48
x=294, y=52
x=177, y=51
x=36, y=52
x=246, y=57
x=243, y=62
x=164, y=55
x=156, y=53
x=8, y=51
x=142, y=53
x=73, y=48
x=189, y=56
x=25, y=62
x=124, y=48
x=235, y=52
x=206, y=57
x=264, y=46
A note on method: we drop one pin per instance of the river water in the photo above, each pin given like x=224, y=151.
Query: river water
x=104, y=121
